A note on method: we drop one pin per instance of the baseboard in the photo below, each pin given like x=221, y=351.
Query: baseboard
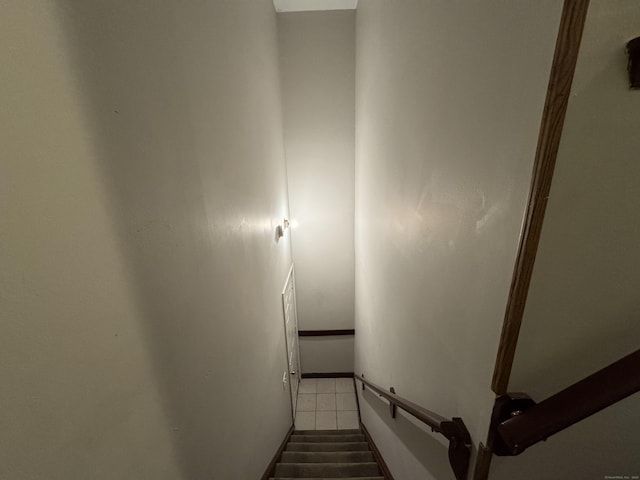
x=376, y=453
x=328, y=375
x=271, y=468
x=326, y=333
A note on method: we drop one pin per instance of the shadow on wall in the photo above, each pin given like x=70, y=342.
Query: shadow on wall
x=191, y=223
x=424, y=448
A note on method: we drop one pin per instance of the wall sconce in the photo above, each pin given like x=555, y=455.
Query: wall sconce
x=279, y=232
x=281, y=228
x=633, y=50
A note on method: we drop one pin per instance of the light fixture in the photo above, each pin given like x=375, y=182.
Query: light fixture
x=279, y=232
x=281, y=228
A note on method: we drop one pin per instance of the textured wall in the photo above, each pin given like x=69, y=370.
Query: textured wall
x=583, y=304
x=317, y=59
x=449, y=97
x=142, y=176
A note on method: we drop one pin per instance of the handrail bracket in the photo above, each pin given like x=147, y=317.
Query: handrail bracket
x=459, y=446
x=507, y=406
x=393, y=408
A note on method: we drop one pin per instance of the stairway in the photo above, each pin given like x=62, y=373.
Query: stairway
x=327, y=454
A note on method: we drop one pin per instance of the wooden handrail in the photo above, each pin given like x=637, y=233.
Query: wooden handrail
x=432, y=419
x=520, y=423
x=453, y=429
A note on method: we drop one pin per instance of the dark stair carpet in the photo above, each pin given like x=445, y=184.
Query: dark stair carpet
x=327, y=455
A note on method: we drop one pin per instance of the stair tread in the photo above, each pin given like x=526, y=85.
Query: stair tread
x=338, y=464
x=353, y=431
x=330, y=457
x=350, y=437
x=328, y=469
x=327, y=447
x=327, y=455
x=326, y=478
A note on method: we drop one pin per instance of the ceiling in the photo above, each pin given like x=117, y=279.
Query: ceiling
x=309, y=5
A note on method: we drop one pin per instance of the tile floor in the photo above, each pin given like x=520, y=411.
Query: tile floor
x=326, y=404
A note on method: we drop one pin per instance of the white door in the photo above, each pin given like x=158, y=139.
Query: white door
x=291, y=333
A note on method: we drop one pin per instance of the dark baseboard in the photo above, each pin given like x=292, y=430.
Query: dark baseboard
x=328, y=375
x=325, y=333
x=376, y=453
x=271, y=468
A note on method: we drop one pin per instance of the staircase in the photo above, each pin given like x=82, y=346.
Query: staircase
x=327, y=454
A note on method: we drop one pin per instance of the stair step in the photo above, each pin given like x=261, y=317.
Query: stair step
x=351, y=437
x=325, y=478
x=327, y=470
x=327, y=447
x=328, y=432
x=326, y=457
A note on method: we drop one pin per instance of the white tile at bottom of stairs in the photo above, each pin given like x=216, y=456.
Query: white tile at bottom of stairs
x=326, y=385
x=326, y=421
x=307, y=385
x=346, y=401
x=344, y=385
x=326, y=401
x=305, y=421
x=306, y=402
x=347, y=420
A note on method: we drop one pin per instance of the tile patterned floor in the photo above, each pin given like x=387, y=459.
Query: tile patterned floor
x=326, y=404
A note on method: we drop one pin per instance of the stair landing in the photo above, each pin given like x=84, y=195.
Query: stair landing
x=326, y=404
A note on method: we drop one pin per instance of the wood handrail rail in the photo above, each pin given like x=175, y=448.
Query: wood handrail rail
x=432, y=419
x=453, y=429
x=521, y=423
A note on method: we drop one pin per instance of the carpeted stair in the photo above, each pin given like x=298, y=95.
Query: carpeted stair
x=327, y=454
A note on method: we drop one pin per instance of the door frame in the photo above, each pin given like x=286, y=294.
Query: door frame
x=291, y=278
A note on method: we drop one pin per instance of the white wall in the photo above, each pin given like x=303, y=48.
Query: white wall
x=317, y=59
x=327, y=353
x=142, y=176
x=449, y=97
x=582, y=309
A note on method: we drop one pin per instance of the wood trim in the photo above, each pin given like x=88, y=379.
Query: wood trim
x=386, y=473
x=271, y=468
x=562, y=69
x=328, y=375
x=483, y=463
x=325, y=333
